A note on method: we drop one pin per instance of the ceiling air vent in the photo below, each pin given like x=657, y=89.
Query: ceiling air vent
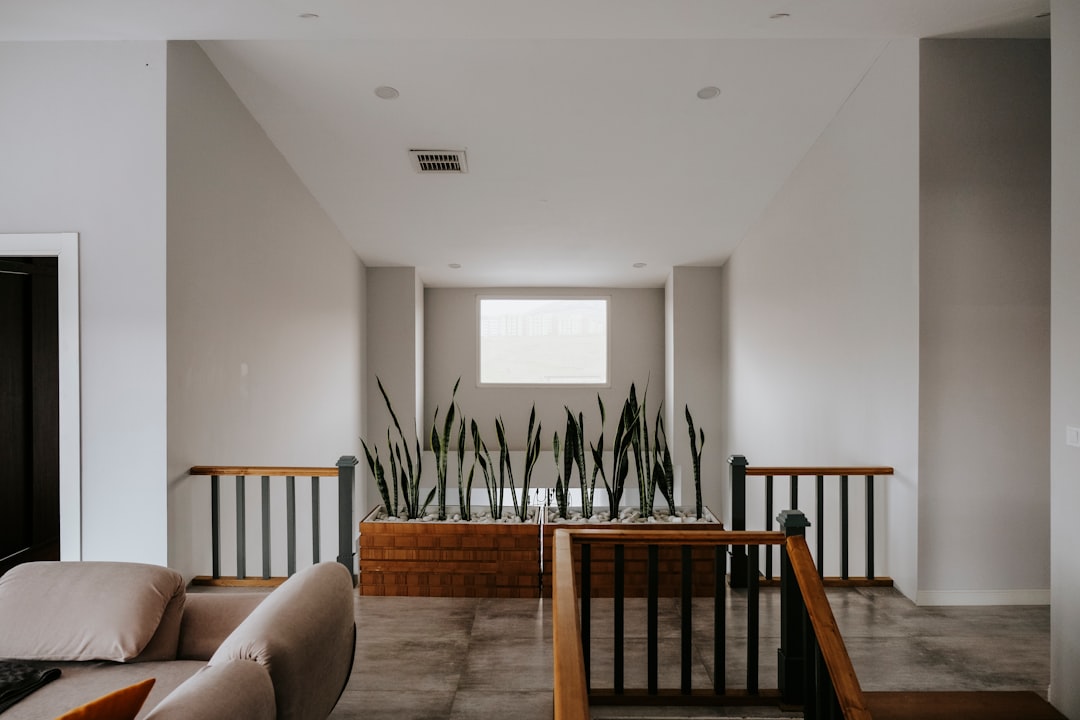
x=439, y=161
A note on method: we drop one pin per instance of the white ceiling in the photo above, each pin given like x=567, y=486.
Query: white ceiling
x=588, y=149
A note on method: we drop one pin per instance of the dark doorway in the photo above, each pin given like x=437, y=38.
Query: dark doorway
x=29, y=412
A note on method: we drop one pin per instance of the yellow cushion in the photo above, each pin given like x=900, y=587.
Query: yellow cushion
x=123, y=704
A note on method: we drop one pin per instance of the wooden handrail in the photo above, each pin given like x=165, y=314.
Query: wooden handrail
x=845, y=682
x=820, y=470
x=254, y=470
x=571, y=694
x=671, y=536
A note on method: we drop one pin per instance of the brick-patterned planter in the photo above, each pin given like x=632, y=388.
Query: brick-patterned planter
x=449, y=559
x=635, y=577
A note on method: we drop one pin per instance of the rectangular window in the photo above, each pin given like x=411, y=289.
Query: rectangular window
x=548, y=341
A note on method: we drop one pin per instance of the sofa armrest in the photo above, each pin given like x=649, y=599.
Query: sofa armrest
x=209, y=618
x=229, y=691
x=305, y=635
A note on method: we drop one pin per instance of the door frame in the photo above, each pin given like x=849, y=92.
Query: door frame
x=65, y=248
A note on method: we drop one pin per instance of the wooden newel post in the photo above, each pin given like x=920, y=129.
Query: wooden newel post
x=738, y=465
x=346, y=466
x=791, y=657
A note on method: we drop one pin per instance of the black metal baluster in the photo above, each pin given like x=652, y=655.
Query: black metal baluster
x=620, y=619
x=654, y=612
x=215, y=525
x=586, y=610
x=768, y=523
x=687, y=618
x=820, y=497
x=241, y=530
x=824, y=686
x=844, y=527
x=315, y=550
x=719, y=621
x=752, y=615
x=265, y=497
x=810, y=650
x=869, y=527
x=346, y=466
x=791, y=655
x=290, y=521
x=794, y=491
x=737, y=464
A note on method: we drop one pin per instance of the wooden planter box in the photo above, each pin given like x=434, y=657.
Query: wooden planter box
x=635, y=569
x=449, y=559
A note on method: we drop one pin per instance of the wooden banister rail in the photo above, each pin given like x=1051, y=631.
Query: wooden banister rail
x=817, y=470
x=571, y=693
x=272, y=471
x=344, y=471
x=844, y=681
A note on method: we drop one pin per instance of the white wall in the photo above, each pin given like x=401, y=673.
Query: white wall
x=1065, y=358
x=266, y=305
x=695, y=374
x=822, y=300
x=82, y=139
x=636, y=327
x=984, y=322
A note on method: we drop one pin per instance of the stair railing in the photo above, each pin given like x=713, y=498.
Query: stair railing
x=741, y=469
x=826, y=683
x=344, y=471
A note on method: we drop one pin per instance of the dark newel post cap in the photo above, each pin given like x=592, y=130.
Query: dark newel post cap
x=792, y=519
x=738, y=460
x=347, y=460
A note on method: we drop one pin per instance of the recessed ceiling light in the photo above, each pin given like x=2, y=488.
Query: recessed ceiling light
x=308, y=16
x=639, y=265
x=708, y=93
x=779, y=16
x=454, y=266
x=386, y=92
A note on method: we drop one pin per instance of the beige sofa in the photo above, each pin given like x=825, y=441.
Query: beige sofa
x=287, y=654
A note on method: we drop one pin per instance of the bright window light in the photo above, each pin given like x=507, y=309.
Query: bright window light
x=553, y=341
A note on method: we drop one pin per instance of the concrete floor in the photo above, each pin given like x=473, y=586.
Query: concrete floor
x=465, y=658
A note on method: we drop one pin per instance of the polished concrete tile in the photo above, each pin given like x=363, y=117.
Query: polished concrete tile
x=468, y=658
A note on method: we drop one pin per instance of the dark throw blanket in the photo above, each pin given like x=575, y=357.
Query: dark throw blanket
x=17, y=680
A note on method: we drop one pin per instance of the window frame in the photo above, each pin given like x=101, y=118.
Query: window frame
x=542, y=296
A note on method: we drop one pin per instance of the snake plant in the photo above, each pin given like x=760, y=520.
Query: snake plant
x=408, y=473
x=483, y=457
x=440, y=446
x=696, y=444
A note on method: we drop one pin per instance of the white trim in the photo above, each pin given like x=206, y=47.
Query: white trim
x=65, y=248
x=983, y=597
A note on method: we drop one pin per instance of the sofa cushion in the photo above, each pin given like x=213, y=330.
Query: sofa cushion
x=209, y=618
x=89, y=611
x=122, y=704
x=81, y=682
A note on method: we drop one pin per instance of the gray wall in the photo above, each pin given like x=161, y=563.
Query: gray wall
x=1065, y=358
x=984, y=340
x=822, y=304
x=694, y=378
x=395, y=352
x=265, y=312
x=82, y=138
x=636, y=327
